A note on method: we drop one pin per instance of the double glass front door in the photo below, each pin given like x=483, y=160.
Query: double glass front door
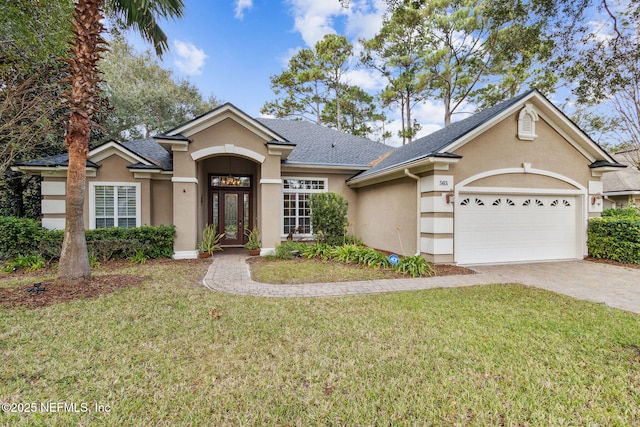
x=231, y=214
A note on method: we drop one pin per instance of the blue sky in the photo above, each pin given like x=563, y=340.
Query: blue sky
x=230, y=48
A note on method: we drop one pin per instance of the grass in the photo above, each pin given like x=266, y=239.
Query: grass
x=491, y=355
x=301, y=270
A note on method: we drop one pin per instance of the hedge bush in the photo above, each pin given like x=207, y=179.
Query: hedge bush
x=329, y=217
x=615, y=238
x=19, y=236
x=630, y=211
x=25, y=237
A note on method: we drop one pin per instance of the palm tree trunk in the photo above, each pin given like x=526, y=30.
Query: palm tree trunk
x=85, y=53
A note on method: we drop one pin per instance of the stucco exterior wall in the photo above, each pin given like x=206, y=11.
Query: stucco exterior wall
x=161, y=202
x=386, y=216
x=499, y=148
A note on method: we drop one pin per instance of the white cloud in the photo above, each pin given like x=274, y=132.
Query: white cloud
x=313, y=19
x=368, y=80
x=365, y=18
x=189, y=59
x=241, y=6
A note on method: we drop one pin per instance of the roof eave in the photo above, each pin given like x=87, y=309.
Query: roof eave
x=621, y=193
x=286, y=165
x=423, y=164
x=51, y=170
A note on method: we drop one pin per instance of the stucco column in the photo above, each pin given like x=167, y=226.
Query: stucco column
x=185, y=205
x=270, y=213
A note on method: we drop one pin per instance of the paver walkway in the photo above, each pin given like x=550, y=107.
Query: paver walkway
x=615, y=286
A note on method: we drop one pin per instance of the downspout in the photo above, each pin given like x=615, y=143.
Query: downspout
x=418, y=208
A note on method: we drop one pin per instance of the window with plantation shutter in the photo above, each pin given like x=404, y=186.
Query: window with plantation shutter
x=114, y=205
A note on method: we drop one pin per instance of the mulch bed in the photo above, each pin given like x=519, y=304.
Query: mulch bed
x=611, y=262
x=450, y=270
x=63, y=292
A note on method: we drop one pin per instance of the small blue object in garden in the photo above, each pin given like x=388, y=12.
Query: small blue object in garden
x=394, y=259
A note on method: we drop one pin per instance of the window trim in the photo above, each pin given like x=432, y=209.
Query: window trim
x=92, y=199
x=290, y=191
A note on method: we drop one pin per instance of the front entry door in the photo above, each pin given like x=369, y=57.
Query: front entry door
x=231, y=214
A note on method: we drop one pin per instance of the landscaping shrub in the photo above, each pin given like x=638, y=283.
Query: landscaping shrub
x=629, y=211
x=25, y=237
x=19, y=236
x=119, y=243
x=329, y=217
x=50, y=244
x=25, y=262
x=414, y=266
x=346, y=253
x=288, y=250
x=320, y=250
x=372, y=258
x=616, y=238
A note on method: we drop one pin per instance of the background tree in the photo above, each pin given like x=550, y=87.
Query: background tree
x=482, y=52
x=359, y=113
x=313, y=88
x=333, y=53
x=397, y=53
x=83, y=103
x=607, y=72
x=144, y=97
x=301, y=87
x=33, y=35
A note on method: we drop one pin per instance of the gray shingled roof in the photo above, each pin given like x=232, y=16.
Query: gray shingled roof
x=147, y=148
x=432, y=144
x=52, y=161
x=627, y=179
x=319, y=145
x=151, y=151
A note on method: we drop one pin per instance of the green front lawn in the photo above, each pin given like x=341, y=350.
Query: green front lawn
x=155, y=354
x=302, y=270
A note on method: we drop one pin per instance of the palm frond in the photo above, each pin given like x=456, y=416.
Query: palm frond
x=143, y=16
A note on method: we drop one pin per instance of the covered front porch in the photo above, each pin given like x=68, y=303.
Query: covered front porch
x=227, y=172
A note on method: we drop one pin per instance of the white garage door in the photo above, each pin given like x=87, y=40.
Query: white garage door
x=508, y=228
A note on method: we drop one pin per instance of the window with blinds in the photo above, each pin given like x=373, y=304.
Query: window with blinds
x=115, y=206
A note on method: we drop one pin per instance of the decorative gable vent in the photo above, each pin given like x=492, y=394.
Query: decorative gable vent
x=527, y=123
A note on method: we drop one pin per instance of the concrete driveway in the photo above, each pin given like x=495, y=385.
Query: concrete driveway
x=609, y=284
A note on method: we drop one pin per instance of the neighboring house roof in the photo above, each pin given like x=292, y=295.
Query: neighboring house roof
x=319, y=145
x=438, y=143
x=624, y=181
